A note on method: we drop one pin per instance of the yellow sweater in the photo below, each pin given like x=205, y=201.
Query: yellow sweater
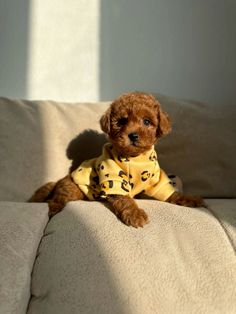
x=112, y=174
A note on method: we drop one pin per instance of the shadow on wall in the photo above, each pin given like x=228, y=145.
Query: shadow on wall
x=126, y=45
x=179, y=48
x=14, y=39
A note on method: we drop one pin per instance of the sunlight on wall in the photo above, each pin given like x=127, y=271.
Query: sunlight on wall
x=64, y=50
x=80, y=50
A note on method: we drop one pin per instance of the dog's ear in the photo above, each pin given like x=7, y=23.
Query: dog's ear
x=105, y=121
x=164, y=126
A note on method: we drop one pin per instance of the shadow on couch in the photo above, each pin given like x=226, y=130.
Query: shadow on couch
x=72, y=272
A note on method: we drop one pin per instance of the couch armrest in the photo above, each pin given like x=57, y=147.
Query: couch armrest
x=21, y=229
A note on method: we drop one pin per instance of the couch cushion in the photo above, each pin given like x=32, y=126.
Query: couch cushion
x=39, y=141
x=202, y=146
x=34, y=137
x=21, y=229
x=89, y=262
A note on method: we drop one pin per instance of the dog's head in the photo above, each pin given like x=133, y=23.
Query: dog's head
x=134, y=122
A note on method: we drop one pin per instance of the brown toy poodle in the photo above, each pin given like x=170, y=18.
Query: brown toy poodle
x=127, y=167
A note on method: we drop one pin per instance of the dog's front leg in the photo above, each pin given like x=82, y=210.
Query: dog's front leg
x=126, y=209
x=65, y=191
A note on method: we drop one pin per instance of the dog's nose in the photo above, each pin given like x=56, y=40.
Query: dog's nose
x=133, y=137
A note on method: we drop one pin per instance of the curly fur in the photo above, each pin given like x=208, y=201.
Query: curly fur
x=132, y=113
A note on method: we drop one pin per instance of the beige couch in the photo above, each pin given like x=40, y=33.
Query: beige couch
x=86, y=261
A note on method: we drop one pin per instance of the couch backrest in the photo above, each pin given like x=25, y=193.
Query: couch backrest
x=41, y=140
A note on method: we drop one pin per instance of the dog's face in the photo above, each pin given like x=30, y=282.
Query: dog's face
x=134, y=122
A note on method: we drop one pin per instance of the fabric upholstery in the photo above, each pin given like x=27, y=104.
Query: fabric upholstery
x=181, y=262
x=225, y=212
x=21, y=229
x=34, y=137
x=41, y=139
x=201, y=147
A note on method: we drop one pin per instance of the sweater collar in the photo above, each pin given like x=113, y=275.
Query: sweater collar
x=149, y=155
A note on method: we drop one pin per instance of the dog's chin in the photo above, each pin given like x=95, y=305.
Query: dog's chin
x=131, y=149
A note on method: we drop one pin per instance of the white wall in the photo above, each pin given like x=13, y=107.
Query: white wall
x=79, y=50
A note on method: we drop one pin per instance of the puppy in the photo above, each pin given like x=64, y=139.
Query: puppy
x=127, y=167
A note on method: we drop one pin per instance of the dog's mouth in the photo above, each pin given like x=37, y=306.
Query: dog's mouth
x=135, y=148
x=138, y=146
x=134, y=143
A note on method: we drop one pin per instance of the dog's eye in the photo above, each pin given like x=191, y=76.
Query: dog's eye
x=122, y=121
x=146, y=122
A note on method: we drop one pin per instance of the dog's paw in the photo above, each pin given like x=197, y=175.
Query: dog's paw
x=134, y=217
x=188, y=201
x=192, y=201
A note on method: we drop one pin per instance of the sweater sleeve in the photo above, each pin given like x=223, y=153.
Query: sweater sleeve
x=162, y=189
